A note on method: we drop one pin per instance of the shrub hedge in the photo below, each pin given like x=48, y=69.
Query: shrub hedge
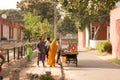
x=104, y=46
x=46, y=77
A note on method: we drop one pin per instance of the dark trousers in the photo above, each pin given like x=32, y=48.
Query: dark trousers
x=47, y=50
x=38, y=59
x=47, y=54
x=2, y=61
x=58, y=56
x=1, y=78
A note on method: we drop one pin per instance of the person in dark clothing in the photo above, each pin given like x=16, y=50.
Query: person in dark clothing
x=47, y=45
x=2, y=59
x=58, y=57
x=41, y=53
x=58, y=51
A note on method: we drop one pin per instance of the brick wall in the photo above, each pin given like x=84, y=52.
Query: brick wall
x=81, y=40
x=102, y=33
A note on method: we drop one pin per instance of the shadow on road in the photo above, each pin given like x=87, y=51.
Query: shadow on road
x=97, y=64
x=88, y=59
x=92, y=64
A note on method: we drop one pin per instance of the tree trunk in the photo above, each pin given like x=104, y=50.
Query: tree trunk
x=98, y=28
x=87, y=36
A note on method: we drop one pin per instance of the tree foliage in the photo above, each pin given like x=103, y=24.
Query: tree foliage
x=34, y=27
x=87, y=11
x=13, y=15
x=40, y=17
x=67, y=25
x=45, y=9
x=30, y=22
x=44, y=29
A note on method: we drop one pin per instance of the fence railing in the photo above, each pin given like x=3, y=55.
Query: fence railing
x=15, y=50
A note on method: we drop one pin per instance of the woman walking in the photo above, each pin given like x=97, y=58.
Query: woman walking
x=52, y=53
x=29, y=51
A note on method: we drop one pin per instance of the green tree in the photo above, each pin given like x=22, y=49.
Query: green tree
x=67, y=25
x=45, y=9
x=33, y=27
x=43, y=29
x=30, y=22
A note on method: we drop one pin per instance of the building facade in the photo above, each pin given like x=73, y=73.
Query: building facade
x=86, y=38
x=10, y=30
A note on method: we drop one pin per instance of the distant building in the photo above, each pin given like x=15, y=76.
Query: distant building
x=85, y=38
x=10, y=30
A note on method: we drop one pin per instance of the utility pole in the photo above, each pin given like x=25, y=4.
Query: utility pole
x=55, y=20
x=57, y=8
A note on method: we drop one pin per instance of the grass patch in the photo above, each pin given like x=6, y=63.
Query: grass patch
x=102, y=54
x=115, y=60
x=46, y=77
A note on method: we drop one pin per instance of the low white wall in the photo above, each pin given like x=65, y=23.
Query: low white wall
x=93, y=43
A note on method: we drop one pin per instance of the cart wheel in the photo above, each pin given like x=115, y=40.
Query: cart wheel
x=68, y=64
x=76, y=62
x=67, y=61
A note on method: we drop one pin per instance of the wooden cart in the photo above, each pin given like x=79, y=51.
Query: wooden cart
x=70, y=57
x=69, y=49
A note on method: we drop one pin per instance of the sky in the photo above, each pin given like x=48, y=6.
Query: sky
x=8, y=4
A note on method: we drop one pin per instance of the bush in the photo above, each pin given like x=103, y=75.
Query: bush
x=104, y=47
x=46, y=77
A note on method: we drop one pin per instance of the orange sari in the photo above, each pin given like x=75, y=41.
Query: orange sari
x=52, y=53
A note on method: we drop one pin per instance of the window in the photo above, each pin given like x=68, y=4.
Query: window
x=92, y=31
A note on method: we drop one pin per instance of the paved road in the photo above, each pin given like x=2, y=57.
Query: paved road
x=91, y=67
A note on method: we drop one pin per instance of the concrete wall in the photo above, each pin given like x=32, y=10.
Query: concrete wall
x=117, y=39
x=115, y=31
x=87, y=37
x=93, y=43
x=81, y=40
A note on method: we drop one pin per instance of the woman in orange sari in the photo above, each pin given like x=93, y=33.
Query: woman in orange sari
x=52, y=53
